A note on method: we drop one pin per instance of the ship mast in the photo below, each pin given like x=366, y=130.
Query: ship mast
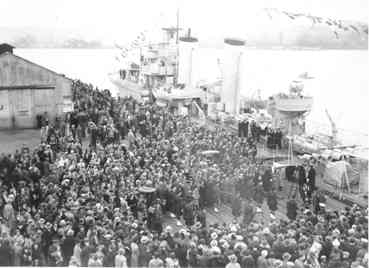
x=189, y=41
x=177, y=37
x=177, y=58
x=333, y=128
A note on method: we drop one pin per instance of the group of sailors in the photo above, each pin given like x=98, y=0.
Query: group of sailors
x=274, y=138
x=249, y=128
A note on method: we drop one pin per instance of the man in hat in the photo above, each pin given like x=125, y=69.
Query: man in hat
x=156, y=262
x=301, y=176
x=240, y=128
x=267, y=179
x=345, y=263
x=94, y=261
x=318, y=201
x=5, y=253
x=310, y=180
x=46, y=239
x=248, y=212
x=192, y=253
x=286, y=260
x=272, y=200
x=246, y=259
x=86, y=252
x=188, y=214
x=181, y=254
x=67, y=246
x=236, y=206
x=292, y=209
x=201, y=217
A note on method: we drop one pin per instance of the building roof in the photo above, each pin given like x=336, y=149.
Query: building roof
x=35, y=64
x=4, y=47
x=7, y=45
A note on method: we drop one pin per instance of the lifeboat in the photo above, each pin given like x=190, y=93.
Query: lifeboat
x=292, y=103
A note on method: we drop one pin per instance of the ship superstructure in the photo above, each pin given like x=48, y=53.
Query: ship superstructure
x=288, y=111
x=157, y=67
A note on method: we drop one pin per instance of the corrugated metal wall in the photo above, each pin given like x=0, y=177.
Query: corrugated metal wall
x=4, y=109
x=19, y=107
x=27, y=90
x=20, y=103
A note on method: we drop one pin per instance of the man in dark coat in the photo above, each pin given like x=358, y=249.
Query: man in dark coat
x=236, y=205
x=67, y=247
x=272, y=201
x=267, y=180
x=292, y=209
x=181, y=254
x=201, y=217
x=240, y=129
x=217, y=260
x=202, y=194
x=301, y=181
x=246, y=129
x=248, y=212
x=311, y=180
x=5, y=253
x=247, y=261
x=188, y=215
x=318, y=199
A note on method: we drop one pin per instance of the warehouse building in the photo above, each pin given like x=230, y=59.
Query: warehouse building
x=28, y=89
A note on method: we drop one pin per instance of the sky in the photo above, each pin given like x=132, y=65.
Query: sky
x=121, y=19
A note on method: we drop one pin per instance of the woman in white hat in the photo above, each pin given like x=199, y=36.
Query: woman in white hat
x=8, y=212
x=233, y=262
x=135, y=252
x=77, y=253
x=120, y=259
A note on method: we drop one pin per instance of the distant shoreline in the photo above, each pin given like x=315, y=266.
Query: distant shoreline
x=65, y=47
x=246, y=47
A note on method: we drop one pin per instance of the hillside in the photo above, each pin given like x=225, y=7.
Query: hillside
x=270, y=28
x=31, y=37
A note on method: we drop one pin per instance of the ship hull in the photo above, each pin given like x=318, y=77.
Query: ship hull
x=128, y=88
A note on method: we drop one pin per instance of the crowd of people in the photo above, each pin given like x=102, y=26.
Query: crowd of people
x=98, y=189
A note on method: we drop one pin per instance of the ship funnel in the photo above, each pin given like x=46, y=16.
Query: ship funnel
x=187, y=45
x=232, y=64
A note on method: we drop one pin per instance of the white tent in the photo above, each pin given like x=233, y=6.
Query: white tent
x=340, y=174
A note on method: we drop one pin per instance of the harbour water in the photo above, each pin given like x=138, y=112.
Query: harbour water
x=340, y=82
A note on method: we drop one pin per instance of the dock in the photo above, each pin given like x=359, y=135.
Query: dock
x=337, y=198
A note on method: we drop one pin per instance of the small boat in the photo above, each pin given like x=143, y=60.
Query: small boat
x=287, y=104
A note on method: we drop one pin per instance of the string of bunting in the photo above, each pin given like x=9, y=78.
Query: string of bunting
x=137, y=42
x=335, y=25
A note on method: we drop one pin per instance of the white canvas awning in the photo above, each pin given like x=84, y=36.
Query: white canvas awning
x=340, y=174
x=286, y=163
